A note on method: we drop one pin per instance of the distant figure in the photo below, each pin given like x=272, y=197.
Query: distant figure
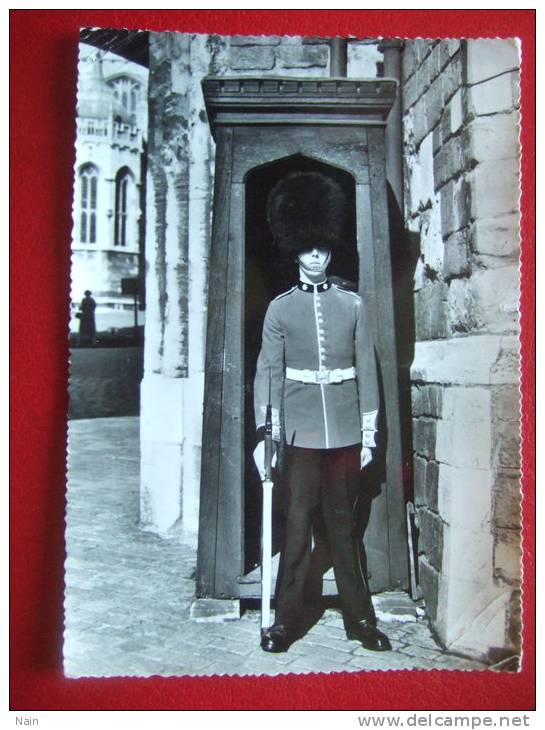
x=86, y=315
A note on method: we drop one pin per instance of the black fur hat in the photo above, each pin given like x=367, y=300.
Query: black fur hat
x=306, y=209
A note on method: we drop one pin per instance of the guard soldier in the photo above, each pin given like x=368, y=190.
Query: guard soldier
x=317, y=361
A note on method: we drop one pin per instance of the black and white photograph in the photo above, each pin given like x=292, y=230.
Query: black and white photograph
x=294, y=419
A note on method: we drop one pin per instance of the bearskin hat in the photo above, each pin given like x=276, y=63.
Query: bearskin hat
x=304, y=210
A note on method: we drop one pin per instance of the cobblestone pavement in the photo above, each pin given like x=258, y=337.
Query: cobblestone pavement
x=128, y=592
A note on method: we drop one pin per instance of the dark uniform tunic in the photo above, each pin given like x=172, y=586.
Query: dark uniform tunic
x=322, y=335
x=318, y=328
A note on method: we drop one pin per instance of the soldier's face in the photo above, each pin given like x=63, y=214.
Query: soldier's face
x=314, y=261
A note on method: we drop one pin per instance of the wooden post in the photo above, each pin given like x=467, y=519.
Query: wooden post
x=211, y=476
x=387, y=352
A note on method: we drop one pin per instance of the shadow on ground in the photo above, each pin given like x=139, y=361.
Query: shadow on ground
x=105, y=382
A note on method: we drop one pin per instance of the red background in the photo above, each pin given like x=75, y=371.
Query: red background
x=43, y=49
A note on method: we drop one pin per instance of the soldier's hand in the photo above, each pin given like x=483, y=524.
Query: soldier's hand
x=259, y=458
x=366, y=456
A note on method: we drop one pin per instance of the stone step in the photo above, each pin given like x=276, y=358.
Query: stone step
x=389, y=606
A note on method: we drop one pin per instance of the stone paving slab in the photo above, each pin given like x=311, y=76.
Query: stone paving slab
x=129, y=592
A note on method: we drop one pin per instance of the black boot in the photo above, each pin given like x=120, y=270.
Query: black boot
x=368, y=635
x=276, y=639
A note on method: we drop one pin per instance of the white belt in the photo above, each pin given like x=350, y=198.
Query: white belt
x=321, y=377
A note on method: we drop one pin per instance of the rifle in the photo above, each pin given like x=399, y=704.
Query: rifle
x=266, y=524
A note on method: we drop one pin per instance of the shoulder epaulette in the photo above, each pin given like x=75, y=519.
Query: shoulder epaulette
x=347, y=291
x=284, y=294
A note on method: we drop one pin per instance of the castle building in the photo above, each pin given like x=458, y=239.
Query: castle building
x=109, y=190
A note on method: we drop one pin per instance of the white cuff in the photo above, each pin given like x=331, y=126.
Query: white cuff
x=369, y=421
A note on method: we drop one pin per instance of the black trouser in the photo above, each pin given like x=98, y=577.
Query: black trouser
x=322, y=488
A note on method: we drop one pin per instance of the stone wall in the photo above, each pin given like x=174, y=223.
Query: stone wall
x=460, y=117
x=178, y=220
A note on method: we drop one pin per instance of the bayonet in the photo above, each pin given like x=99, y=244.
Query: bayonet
x=266, y=525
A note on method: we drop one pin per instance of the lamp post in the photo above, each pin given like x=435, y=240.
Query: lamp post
x=392, y=49
x=131, y=286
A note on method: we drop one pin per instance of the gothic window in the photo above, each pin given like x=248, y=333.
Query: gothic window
x=127, y=91
x=88, y=204
x=122, y=190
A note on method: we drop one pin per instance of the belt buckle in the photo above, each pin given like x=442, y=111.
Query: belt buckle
x=322, y=377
